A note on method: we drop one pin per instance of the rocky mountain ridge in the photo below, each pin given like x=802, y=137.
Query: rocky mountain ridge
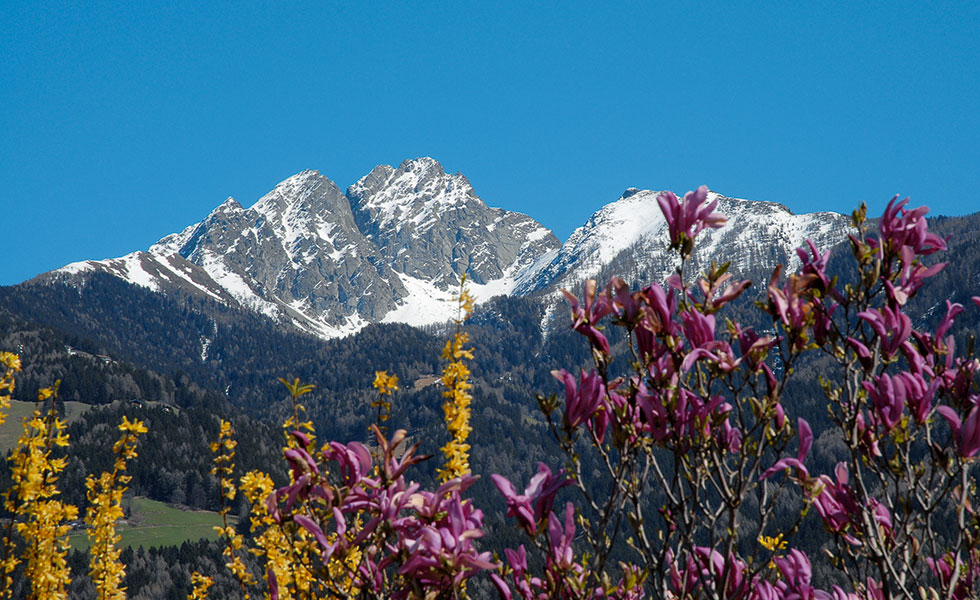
x=393, y=246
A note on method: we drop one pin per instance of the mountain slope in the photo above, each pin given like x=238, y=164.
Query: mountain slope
x=390, y=250
x=628, y=238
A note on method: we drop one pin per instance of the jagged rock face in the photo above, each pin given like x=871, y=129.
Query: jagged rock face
x=393, y=247
x=629, y=238
x=391, y=250
x=297, y=251
x=431, y=225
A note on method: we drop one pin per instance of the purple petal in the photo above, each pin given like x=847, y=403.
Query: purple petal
x=311, y=526
x=952, y=417
x=806, y=438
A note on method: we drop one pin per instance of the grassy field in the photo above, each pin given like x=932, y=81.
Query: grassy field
x=154, y=523
x=12, y=428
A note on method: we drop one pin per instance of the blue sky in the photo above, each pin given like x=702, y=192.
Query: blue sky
x=121, y=124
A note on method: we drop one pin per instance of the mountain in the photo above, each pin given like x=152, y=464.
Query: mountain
x=390, y=249
x=393, y=246
x=629, y=238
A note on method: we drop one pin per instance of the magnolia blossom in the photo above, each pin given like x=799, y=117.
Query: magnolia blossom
x=806, y=441
x=965, y=431
x=892, y=327
x=586, y=316
x=687, y=218
x=430, y=535
x=900, y=227
x=581, y=401
x=531, y=507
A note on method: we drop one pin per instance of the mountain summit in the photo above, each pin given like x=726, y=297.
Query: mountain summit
x=629, y=238
x=393, y=247
x=390, y=249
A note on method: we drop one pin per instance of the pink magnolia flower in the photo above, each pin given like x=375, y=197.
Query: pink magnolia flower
x=560, y=538
x=911, y=276
x=662, y=306
x=655, y=412
x=715, y=297
x=867, y=438
x=918, y=394
x=796, y=571
x=901, y=227
x=863, y=353
x=836, y=503
x=705, y=567
x=790, y=301
x=968, y=574
x=626, y=303
x=440, y=546
x=814, y=264
x=888, y=397
x=354, y=460
x=966, y=431
x=839, y=509
x=892, y=327
x=586, y=316
x=687, y=218
x=699, y=329
x=806, y=441
x=527, y=586
x=952, y=310
x=657, y=319
x=823, y=322
x=582, y=401
x=753, y=346
x=531, y=507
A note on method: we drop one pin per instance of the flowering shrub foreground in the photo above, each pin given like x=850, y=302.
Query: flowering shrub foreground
x=695, y=443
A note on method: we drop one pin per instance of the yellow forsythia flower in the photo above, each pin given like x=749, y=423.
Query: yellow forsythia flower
x=41, y=520
x=11, y=364
x=385, y=383
x=224, y=454
x=105, y=498
x=773, y=544
x=201, y=585
x=455, y=380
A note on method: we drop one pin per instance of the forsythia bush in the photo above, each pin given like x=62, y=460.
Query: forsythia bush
x=36, y=531
x=695, y=443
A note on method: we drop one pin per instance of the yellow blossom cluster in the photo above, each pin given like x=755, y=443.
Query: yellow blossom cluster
x=201, y=585
x=40, y=519
x=11, y=364
x=385, y=384
x=224, y=467
x=105, y=509
x=455, y=380
x=296, y=390
x=293, y=558
x=270, y=541
x=773, y=544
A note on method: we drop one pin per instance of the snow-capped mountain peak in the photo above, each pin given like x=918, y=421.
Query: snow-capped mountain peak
x=394, y=246
x=392, y=249
x=413, y=193
x=628, y=237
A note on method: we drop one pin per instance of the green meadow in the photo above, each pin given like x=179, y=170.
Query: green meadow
x=153, y=523
x=12, y=428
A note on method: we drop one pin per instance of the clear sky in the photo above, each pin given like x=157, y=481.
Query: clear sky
x=123, y=122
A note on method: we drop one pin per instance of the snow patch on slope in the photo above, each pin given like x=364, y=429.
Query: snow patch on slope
x=236, y=286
